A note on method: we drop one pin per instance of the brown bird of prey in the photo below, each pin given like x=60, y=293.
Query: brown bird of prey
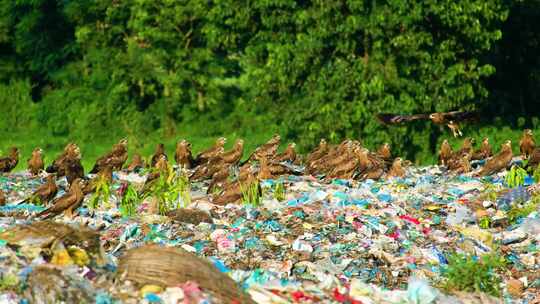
x=397, y=169
x=137, y=163
x=268, y=149
x=370, y=165
x=2, y=197
x=466, y=148
x=450, y=119
x=160, y=150
x=216, y=149
x=55, y=167
x=9, y=162
x=484, y=151
x=318, y=152
x=335, y=155
x=35, y=163
x=45, y=192
x=182, y=154
x=104, y=175
x=68, y=202
x=462, y=165
x=384, y=152
x=445, y=153
x=534, y=158
x=235, y=154
x=233, y=192
x=289, y=155
x=346, y=168
x=71, y=165
x=527, y=143
x=219, y=178
x=498, y=162
x=115, y=158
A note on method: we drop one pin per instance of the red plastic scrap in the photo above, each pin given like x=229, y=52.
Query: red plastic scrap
x=409, y=219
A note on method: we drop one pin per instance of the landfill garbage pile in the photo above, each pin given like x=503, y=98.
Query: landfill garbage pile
x=307, y=241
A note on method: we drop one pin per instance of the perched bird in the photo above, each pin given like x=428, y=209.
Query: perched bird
x=71, y=165
x=527, y=143
x=345, y=169
x=35, y=163
x=397, y=169
x=445, y=153
x=9, y=162
x=105, y=175
x=55, y=167
x=268, y=149
x=160, y=151
x=370, y=166
x=219, y=178
x=464, y=165
x=115, y=158
x=318, y=152
x=289, y=155
x=182, y=154
x=233, y=192
x=235, y=154
x=2, y=197
x=136, y=164
x=335, y=155
x=498, y=162
x=45, y=192
x=270, y=170
x=484, y=151
x=68, y=202
x=208, y=169
x=466, y=148
x=384, y=152
x=212, y=152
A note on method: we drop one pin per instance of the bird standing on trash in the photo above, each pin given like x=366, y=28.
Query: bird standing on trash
x=267, y=150
x=384, y=152
x=212, y=152
x=9, y=162
x=219, y=178
x=397, y=169
x=56, y=165
x=115, y=158
x=484, y=151
x=318, y=152
x=160, y=151
x=71, y=165
x=136, y=164
x=35, y=163
x=498, y=162
x=105, y=175
x=182, y=154
x=2, y=197
x=232, y=193
x=69, y=202
x=445, y=153
x=289, y=155
x=233, y=156
x=527, y=143
x=466, y=149
x=45, y=192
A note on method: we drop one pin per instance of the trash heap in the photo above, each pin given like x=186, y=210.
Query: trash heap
x=338, y=241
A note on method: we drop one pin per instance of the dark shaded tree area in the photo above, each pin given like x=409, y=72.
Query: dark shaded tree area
x=310, y=69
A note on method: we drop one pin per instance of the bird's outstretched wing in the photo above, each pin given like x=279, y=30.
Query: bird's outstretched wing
x=460, y=115
x=387, y=118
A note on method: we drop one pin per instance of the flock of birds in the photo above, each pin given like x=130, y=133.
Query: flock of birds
x=225, y=173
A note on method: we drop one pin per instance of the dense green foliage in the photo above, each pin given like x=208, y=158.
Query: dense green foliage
x=94, y=71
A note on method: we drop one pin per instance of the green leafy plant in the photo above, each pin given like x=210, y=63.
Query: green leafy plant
x=129, y=202
x=8, y=282
x=251, y=194
x=536, y=174
x=173, y=191
x=515, y=177
x=101, y=194
x=467, y=273
x=523, y=210
x=279, y=191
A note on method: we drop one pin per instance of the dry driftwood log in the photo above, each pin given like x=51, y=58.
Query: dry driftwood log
x=153, y=264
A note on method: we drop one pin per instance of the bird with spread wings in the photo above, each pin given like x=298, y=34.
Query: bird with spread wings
x=450, y=119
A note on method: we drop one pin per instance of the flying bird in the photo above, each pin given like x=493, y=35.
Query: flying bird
x=160, y=151
x=68, y=202
x=9, y=162
x=498, y=162
x=182, y=154
x=35, y=163
x=527, y=143
x=450, y=119
x=45, y=192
